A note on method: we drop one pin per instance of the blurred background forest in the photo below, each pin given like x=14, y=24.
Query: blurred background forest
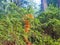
x=29, y=22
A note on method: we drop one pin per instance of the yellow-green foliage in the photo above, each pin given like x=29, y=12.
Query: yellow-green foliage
x=12, y=29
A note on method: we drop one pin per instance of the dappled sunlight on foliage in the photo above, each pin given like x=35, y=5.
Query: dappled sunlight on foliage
x=19, y=26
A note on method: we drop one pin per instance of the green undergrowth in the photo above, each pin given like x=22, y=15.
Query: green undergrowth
x=13, y=29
